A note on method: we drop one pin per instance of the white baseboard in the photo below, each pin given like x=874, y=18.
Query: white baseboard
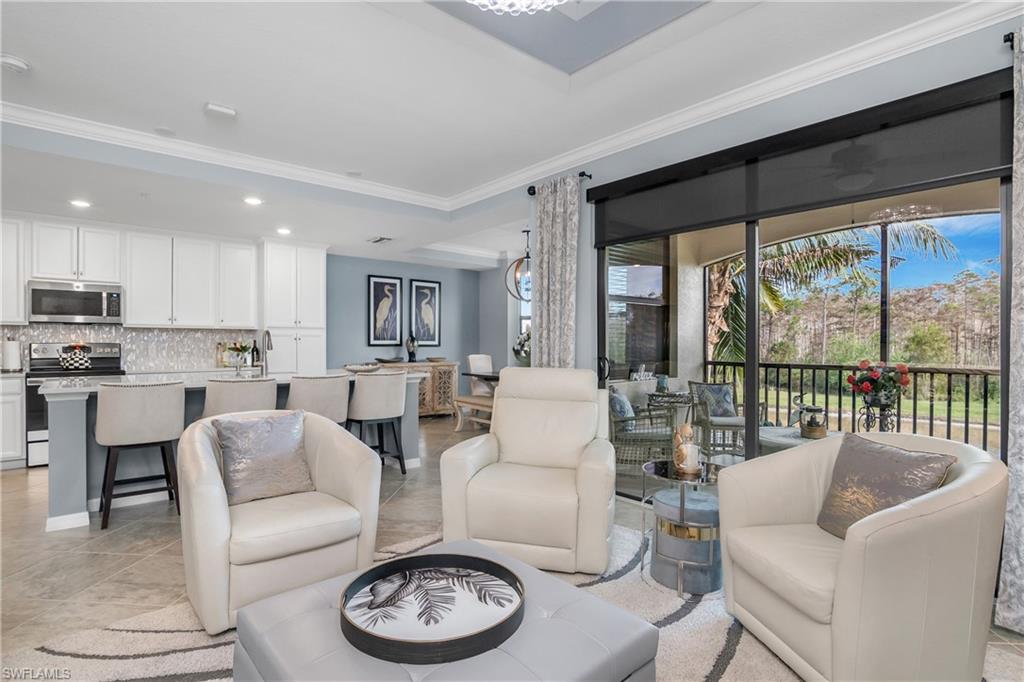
x=65, y=521
x=12, y=464
x=94, y=504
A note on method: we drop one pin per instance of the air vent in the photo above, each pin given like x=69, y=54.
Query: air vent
x=379, y=240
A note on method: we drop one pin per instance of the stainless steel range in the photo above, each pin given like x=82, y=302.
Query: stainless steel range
x=57, y=361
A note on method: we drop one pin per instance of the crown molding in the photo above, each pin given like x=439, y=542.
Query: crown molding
x=952, y=23
x=947, y=25
x=125, y=137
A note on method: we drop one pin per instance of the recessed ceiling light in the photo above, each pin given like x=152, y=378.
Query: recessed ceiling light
x=220, y=110
x=253, y=201
x=284, y=230
x=80, y=203
x=164, y=131
x=13, y=64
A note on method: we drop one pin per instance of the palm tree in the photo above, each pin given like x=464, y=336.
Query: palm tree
x=798, y=263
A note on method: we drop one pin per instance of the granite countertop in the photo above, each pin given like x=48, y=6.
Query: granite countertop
x=193, y=380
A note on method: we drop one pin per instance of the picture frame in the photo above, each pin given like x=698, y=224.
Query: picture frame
x=384, y=311
x=425, y=311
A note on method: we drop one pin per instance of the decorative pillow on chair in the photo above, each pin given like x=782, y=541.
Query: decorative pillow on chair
x=621, y=408
x=718, y=398
x=869, y=477
x=263, y=456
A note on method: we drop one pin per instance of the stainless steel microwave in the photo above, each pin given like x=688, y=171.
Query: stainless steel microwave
x=74, y=302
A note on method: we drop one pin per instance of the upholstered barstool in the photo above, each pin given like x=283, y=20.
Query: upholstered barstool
x=239, y=395
x=130, y=416
x=378, y=400
x=323, y=395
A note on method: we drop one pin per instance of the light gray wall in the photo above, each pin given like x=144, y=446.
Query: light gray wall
x=498, y=323
x=347, y=310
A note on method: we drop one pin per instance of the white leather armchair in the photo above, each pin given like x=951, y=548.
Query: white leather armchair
x=907, y=595
x=539, y=486
x=240, y=554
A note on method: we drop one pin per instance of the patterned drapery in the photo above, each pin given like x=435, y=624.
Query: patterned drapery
x=554, y=273
x=1010, y=603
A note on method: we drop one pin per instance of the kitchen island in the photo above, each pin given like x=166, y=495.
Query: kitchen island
x=77, y=461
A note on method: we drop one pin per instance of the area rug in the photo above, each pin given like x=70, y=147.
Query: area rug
x=699, y=640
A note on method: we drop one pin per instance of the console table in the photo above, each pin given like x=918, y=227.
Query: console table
x=438, y=389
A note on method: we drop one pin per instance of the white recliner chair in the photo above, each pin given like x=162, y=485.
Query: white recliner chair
x=541, y=485
x=906, y=596
x=239, y=554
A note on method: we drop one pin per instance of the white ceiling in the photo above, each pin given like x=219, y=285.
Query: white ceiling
x=433, y=112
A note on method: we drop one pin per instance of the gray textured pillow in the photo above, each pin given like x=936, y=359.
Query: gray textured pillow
x=869, y=477
x=263, y=456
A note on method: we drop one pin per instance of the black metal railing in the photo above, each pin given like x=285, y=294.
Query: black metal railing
x=954, y=403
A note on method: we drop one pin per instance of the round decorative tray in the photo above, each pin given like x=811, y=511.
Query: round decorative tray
x=363, y=369
x=432, y=608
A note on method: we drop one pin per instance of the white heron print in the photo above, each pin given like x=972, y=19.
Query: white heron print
x=385, y=320
x=425, y=313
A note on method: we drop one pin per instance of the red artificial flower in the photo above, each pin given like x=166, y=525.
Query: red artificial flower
x=902, y=368
x=866, y=387
x=854, y=388
x=864, y=364
x=875, y=375
x=904, y=380
x=851, y=379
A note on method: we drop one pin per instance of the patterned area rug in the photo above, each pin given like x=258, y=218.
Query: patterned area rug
x=699, y=640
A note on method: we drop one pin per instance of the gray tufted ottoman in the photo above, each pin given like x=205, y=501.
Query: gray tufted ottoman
x=566, y=634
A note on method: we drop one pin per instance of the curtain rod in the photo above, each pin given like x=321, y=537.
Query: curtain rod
x=532, y=189
x=1009, y=38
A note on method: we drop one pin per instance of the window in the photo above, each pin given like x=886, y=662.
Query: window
x=638, y=315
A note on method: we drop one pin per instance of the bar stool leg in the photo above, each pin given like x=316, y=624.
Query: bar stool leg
x=167, y=450
x=108, y=483
x=106, y=475
x=171, y=491
x=396, y=430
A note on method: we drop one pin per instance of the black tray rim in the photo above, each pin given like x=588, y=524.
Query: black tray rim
x=438, y=651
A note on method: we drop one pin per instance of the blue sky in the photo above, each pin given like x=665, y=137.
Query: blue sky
x=976, y=238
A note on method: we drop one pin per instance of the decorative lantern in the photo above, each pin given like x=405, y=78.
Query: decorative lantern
x=686, y=453
x=517, y=275
x=813, y=422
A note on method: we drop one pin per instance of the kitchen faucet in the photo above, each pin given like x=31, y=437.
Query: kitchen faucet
x=268, y=345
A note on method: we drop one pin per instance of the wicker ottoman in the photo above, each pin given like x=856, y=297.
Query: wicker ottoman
x=566, y=634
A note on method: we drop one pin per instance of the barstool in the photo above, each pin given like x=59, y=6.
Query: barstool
x=130, y=416
x=379, y=399
x=224, y=396
x=323, y=395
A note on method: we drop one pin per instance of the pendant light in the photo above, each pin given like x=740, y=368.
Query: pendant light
x=517, y=275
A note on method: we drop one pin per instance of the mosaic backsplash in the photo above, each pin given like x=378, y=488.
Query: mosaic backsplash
x=142, y=350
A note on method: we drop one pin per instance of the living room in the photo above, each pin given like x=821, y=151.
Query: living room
x=386, y=340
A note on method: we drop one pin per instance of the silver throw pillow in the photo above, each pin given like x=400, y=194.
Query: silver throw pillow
x=869, y=477
x=263, y=456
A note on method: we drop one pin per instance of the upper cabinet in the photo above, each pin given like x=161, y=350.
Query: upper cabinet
x=12, y=272
x=294, y=286
x=147, y=286
x=237, y=286
x=65, y=251
x=195, y=283
x=311, y=287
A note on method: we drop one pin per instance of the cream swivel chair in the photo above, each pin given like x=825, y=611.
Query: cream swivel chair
x=906, y=596
x=539, y=486
x=139, y=415
x=235, y=555
x=323, y=395
x=239, y=395
x=378, y=399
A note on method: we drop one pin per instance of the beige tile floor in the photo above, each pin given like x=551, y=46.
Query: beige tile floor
x=56, y=583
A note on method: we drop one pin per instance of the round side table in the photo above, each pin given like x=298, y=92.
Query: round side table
x=685, y=549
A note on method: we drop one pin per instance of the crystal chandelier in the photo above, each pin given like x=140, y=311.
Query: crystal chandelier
x=516, y=7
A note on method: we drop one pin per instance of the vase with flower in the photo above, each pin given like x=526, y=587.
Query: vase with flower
x=880, y=387
x=239, y=352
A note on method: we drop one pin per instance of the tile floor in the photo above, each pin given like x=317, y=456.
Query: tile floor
x=56, y=583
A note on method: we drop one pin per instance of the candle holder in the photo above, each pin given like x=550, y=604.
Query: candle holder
x=685, y=453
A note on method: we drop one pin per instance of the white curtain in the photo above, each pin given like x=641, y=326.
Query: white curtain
x=1010, y=604
x=554, y=273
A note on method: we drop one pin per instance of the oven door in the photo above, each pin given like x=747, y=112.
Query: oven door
x=37, y=428
x=73, y=302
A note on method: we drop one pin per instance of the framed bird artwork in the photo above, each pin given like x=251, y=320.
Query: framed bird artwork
x=384, y=305
x=425, y=311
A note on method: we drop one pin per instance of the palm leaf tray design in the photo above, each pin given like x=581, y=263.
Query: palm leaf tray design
x=478, y=600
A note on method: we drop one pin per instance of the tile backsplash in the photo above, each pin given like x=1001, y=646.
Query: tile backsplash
x=142, y=349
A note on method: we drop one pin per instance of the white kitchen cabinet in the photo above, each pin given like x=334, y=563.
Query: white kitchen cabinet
x=99, y=255
x=67, y=251
x=54, y=251
x=194, y=283
x=283, y=360
x=12, y=421
x=237, y=286
x=12, y=272
x=148, y=277
x=280, y=291
x=311, y=287
x=311, y=352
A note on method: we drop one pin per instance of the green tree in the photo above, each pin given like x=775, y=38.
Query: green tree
x=848, y=349
x=927, y=344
